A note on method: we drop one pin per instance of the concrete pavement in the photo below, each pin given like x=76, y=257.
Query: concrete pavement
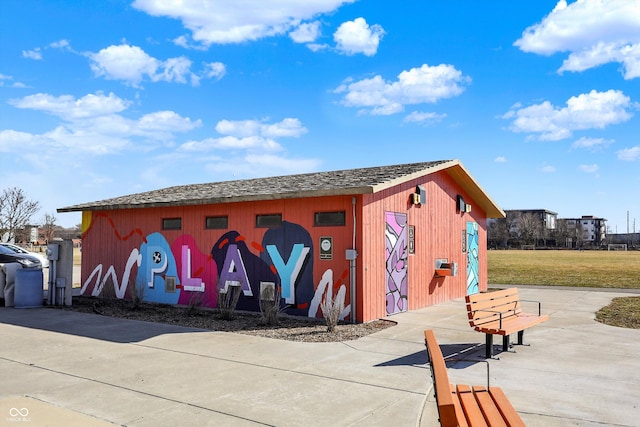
x=66, y=368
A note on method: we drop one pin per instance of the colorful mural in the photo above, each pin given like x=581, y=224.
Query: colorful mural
x=473, y=249
x=180, y=273
x=396, y=262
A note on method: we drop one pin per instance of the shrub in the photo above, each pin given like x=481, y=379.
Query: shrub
x=270, y=306
x=227, y=302
x=331, y=308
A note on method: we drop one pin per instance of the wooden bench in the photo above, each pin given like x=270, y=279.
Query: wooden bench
x=500, y=313
x=463, y=405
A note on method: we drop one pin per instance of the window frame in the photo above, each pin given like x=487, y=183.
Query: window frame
x=216, y=217
x=277, y=217
x=340, y=223
x=166, y=223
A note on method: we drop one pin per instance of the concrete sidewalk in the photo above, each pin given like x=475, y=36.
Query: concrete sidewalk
x=65, y=368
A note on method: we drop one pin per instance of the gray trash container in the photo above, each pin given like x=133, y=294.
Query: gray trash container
x=28, y=292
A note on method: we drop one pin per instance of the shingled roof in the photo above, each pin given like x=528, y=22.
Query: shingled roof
x=342, y=182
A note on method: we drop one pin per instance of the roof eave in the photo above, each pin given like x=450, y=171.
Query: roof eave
x=463, y=178
x=219, y=200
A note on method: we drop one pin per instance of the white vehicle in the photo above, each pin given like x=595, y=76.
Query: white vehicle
x=19, y=250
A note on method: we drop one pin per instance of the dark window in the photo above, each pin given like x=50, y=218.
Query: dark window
x=268, y=220
x=172, y=223
x=217, y=222
x=329, y=219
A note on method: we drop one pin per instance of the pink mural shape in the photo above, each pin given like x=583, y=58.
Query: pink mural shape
x=396, y=262
x=201, y=273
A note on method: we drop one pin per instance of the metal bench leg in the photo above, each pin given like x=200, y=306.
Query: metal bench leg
x=489, y=341
x=505, y=343
x=521, y=337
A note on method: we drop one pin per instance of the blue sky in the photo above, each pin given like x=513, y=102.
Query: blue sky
x=538, y=99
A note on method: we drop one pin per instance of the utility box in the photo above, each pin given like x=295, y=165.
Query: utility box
x=60, y=254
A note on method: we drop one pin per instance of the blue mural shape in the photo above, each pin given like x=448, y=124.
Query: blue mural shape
x=157, y=263
x=473, y=250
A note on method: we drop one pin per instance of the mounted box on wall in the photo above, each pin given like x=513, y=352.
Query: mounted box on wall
x=422, y=192
x=420, y=196
x=461, y=206
x=445, y=268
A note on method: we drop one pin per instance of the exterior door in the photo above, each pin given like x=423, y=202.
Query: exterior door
x=472, y=258
x=396, y=262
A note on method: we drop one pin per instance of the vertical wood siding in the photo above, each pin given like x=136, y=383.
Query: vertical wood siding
x=438, y=234
x=112, y=234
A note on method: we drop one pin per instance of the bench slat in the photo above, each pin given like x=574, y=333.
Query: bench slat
x=461, y=419
x=446, y=406
x=485, y=300
x=511, y=325
x=463, y=405
x=488, y=407
x=506, y=409
x=470, y=406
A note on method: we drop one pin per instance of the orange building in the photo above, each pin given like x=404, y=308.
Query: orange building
x=379, y=240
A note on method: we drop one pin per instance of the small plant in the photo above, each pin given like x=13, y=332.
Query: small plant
x=195, y=301
x=227, y=301
x=270, y=305
x=136, y=292
x=331, y=308
x=108, y=291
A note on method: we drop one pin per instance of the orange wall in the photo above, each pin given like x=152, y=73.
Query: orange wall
x=438, y=234
x=112, y=235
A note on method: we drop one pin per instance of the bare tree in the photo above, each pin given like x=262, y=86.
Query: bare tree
x=15, y=211
x=48, y=227
x=498, y=232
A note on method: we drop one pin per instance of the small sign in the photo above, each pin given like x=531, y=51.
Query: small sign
x=412, y=239
x=464, y=241
x=326, y=248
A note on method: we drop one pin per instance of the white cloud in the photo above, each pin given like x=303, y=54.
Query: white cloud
x=239, y=128
x=629, y=154
x=306, y=33
x=222, y=21
x=288, y=127
x=594, y=32
x=261, y=165
x=92, y=124
x=592, y=144
x=35, y=54
x=593, y=110
x=248, y=134
x=589, y=168
x=500, y=159
x=427, y=84
x=174, y=70
x=424, y=118
x=60, y=44
x=133, y=65
x=357, y=36
x=216, y=70
x=4, y=78
x=69, y=108
x=548, y=169
x=124, y=62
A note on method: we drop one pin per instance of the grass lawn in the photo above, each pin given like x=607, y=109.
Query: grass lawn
x=600, y=269
x=623, y=312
